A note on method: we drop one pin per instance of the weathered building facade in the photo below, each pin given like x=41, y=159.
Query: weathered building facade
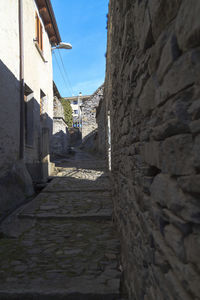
x=88, y=108
x=60, y=138
x=28, y=31
x=152, y=93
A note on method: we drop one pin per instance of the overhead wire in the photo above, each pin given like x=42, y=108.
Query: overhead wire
x=65, y=71
x=63, y=77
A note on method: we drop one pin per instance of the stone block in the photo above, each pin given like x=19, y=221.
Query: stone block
x=169, y=128
x=141, y=81
x=194, y=110
x=188, y=25
x=174, y=239
x=146, y=38
x=191, y=211
x=177, y=290
x=147, y=98
x=192, y=248
x=183, y=74
x=155, y=52
x=171, y=156
x=196, y=151
x=190, y=184
x=162, y=283
x=58, y=109
x=147, y=181
x=166, y=192
x=183, y=226
x=195, y=127
x=151, y=153
x=15, y=188
x=141, y=25
x=22, y=176
x=125, y=126
x=176, y=155
x=170, y=54
x=162, y=13
x=161, y=261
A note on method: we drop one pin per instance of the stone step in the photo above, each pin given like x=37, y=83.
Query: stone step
x=55, y=296
x=65, y=204
x=89, y=217
x=76, y=185
x=74, y=259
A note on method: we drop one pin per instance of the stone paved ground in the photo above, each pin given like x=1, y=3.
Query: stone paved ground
x=62, y=245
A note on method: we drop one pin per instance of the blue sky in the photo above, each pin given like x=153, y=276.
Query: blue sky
x=83, y=24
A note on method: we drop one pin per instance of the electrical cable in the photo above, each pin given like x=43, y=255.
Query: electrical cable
x=65, y=71
x=63, y=77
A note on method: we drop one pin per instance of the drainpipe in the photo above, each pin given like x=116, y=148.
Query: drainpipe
x=109, y=140
x=21, y=47
x=79, y=112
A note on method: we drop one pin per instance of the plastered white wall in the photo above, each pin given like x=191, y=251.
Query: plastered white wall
x=9, y=85
x=37, y=75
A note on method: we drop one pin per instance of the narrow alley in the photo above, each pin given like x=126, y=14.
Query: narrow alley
x=100, y=150
x=62, y=244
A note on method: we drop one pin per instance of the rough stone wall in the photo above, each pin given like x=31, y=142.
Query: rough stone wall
x=89, y=113
x=58, y=110
x=152, y=91
x=101, y=132
x=60, y=139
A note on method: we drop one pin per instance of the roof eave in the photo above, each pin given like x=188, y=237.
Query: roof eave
x=48, y=18
x=53, y=19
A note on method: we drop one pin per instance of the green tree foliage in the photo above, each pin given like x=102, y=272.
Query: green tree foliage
x=68, y=112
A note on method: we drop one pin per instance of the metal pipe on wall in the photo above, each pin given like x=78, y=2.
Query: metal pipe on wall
x=21, y=54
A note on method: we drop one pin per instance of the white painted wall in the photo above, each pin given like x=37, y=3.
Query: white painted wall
x=75, y=106
x=9, y=85
x=37, y=74
x=9, y=35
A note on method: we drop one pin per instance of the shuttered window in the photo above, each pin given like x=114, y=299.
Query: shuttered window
x=38, y=32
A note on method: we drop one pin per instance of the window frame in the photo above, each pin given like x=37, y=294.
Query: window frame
x=38, y=32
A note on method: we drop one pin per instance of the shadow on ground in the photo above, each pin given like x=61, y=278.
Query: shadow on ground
x=62, y=245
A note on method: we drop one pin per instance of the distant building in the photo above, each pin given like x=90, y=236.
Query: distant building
x=76, y=103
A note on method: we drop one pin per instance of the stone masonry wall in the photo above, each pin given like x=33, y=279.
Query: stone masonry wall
x=60, y=139
x=152, y=91
x=89, y=113
x=58, y=110
x=101, y=133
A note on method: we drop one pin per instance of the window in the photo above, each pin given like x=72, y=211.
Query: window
x=76, y=124
x=75, y=102
x=76, y=112
x=38, y=32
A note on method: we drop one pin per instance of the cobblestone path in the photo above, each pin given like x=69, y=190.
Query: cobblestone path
x=62, y=244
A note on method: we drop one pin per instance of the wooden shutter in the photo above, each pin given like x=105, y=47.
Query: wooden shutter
x=38, y=32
